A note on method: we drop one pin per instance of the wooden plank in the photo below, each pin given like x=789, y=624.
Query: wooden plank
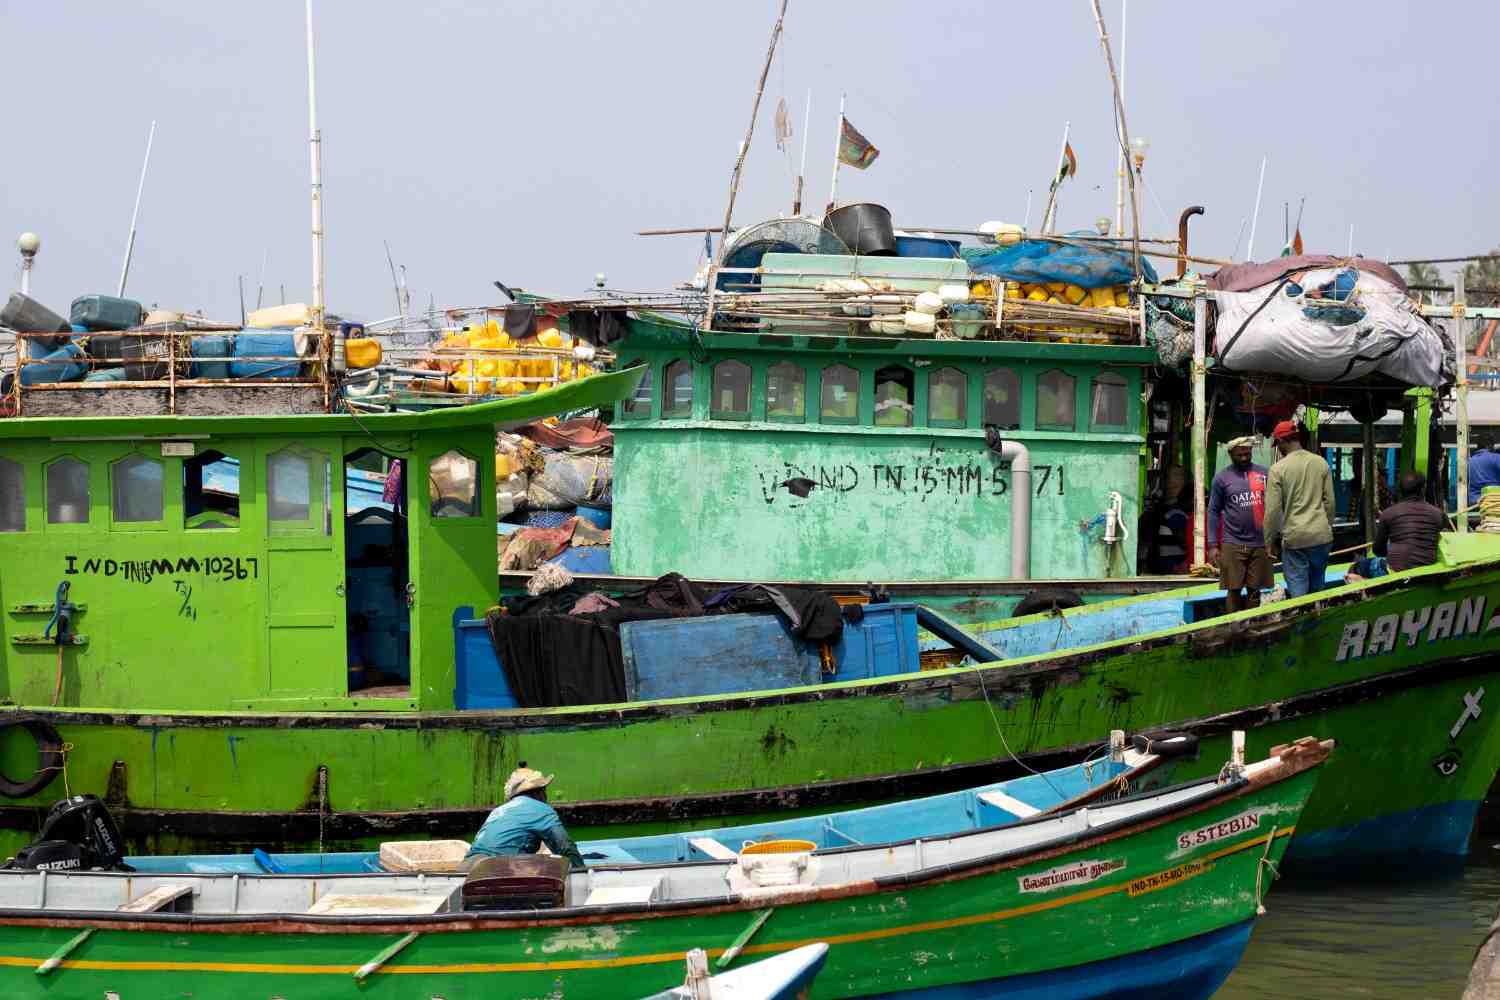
x=157, y=899
x=712, y=848
x=1013, y=806
x=379, y=904
x=57, y=956
x=384, y=956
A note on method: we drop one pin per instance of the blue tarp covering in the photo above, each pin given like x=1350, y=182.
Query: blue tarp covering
x=1038, y=261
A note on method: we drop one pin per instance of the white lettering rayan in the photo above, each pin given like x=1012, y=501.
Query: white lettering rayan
x=1449, y=620
x=1076, y=873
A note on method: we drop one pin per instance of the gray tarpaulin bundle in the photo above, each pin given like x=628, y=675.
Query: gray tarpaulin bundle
x=1326, y=320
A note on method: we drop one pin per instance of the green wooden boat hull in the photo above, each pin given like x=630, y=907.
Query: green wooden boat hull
x=1166, y=878
x=1418, y=748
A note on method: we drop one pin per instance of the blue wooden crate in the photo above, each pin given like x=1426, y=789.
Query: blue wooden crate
x=722, y=654
x=480, y=680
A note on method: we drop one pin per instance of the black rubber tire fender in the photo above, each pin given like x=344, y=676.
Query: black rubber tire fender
x=1037, y=601
x=49, y=752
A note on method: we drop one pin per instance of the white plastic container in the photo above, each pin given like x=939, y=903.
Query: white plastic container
x=930, y=303
x=291, y=314
x=951, y=294
x=920, y=322
x=892, y=327
x=423, y=855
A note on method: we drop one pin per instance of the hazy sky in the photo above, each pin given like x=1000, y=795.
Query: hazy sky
x=528, y=140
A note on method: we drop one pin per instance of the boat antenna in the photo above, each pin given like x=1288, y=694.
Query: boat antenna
x=315, y=151
x=1255, y=216
x=739, y=162
x=260, y=286
x=135, y=215
x=242, y=299
x=1123, y=135
x=395, y=282
x=802, y=170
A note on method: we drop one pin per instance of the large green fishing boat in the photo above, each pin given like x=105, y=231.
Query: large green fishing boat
x=204, y=688
x=1168, y=885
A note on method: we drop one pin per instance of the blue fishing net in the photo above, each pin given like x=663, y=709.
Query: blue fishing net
x=1038, y=261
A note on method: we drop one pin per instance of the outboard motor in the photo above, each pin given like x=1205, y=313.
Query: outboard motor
x=78, y=834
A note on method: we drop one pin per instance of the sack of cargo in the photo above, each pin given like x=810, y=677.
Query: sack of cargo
x=269, y=354
x=362, y=352
x=24, y=314
x=214, y=345
x=570, y=480
x=1329, y=324
x=61, y=365
x=291, y=314
x=106, y=312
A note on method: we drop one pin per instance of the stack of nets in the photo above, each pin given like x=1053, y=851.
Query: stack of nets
x=1489, y=509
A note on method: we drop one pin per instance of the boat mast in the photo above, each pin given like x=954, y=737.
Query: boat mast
x=135, y=215
x=739, y=163
x=1120, y=156
x=315, y=144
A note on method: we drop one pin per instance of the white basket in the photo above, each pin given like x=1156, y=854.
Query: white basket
x=423, y=855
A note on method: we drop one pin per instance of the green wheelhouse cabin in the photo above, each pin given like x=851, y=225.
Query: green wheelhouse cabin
x=223, y=549
x=892, y=433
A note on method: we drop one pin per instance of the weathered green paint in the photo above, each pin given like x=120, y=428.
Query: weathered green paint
x=691, y=488
x=251, y=616
x=970, y=926
x=1280, y=665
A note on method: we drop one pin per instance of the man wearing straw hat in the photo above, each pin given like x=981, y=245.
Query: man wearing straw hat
x=1236, y=520
x=522, y=823
x=1299, y=512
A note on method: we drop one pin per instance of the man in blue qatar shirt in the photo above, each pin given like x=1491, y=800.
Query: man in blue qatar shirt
x=522, y=823
x=1236, y=528
x=1484, y=468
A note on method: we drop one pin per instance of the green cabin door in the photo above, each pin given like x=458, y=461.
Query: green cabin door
x=304, y=510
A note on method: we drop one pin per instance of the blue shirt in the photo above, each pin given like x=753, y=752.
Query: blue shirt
x=519, y=827
x=1237, y=507
x=1484, y=470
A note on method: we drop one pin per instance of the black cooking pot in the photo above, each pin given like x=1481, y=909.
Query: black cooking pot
x=866, y=228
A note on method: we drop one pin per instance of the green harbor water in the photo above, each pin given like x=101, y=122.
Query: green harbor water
x=1403, y=939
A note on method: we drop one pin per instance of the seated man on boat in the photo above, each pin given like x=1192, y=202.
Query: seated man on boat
x=1406, y=536
x=522, y=823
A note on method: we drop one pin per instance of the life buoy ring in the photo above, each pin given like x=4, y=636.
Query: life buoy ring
x=49, y=752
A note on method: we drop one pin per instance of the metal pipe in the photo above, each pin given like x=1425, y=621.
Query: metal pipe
x=1182, y=233
x=1020, y=509
x=1200, y=425
x=315, y=152
x=1461, y=412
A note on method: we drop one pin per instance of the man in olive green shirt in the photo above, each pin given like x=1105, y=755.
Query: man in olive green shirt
x=1299, y=513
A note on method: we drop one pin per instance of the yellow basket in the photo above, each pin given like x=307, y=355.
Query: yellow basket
x=778, y=847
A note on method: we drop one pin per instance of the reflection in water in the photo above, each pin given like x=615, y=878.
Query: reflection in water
x=1410, y=939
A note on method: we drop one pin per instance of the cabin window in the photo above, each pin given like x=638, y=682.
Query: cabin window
x=1002, y=399
x=12, y=496
x=731, y=398
x=947, y=398
x=135, y=489
x=894, y=391
x=639, y=403
x=840, y=396
x=1055, y=403
x=211, y=491
x=453, y=485
x=786, y=392
x=677, y=389
x=1109, y=404
x=289, y=485
x=67, y=492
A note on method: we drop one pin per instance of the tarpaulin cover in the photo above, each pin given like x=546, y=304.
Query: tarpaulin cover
x=1244, y=277
x=580, y=432
x=1038, y=261
x=1329, y=324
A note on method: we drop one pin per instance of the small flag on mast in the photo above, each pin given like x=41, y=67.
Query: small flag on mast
x=783, y=125
x=1069, y=166
x=855, y=149
x=1294, y=245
